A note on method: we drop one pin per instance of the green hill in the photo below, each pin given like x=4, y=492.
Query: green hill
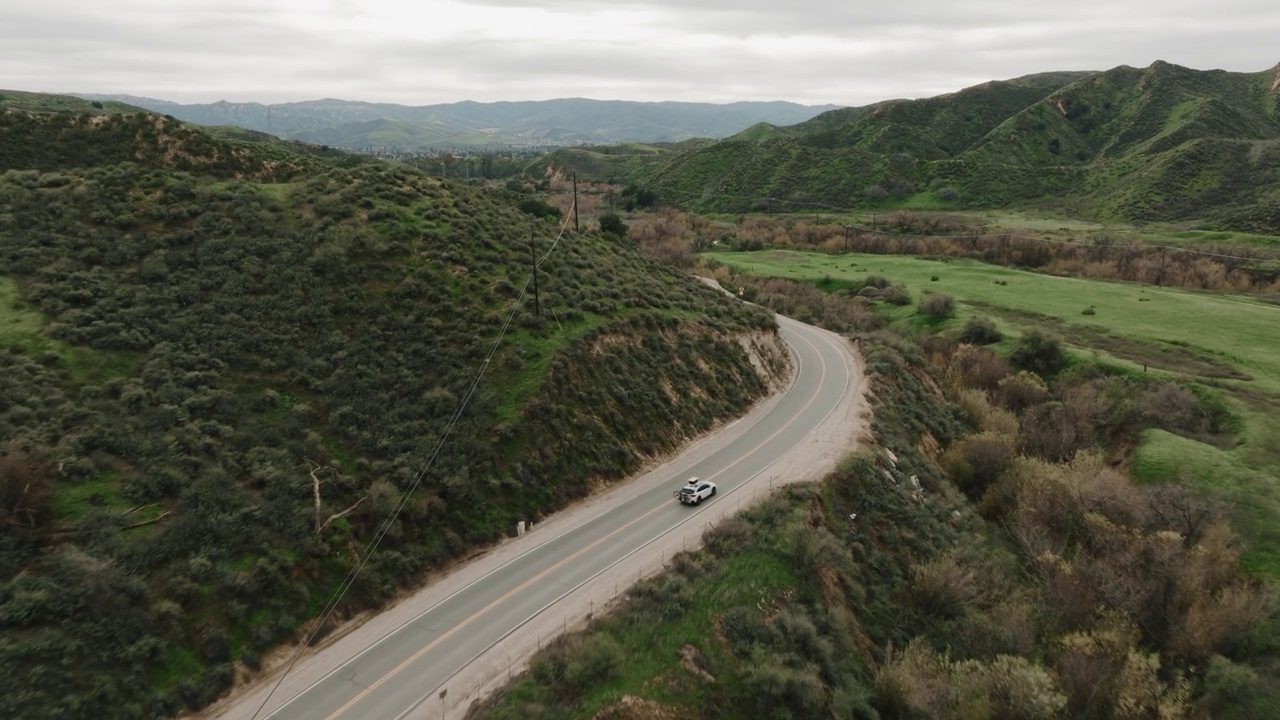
x=761, y=132
x=1164, y=143
x=54, y=132
x=399, y=135
x=215, y=388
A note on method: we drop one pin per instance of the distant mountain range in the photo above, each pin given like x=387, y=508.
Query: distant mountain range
x=546, y=123
x=1163, y=143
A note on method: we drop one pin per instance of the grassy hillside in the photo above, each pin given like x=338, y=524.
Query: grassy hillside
x=222, y=364
x=931, y=128
x=1163, y=143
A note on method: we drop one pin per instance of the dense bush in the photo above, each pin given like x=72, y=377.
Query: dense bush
x=538, y=208
x=1038, y=353
x=980, y=331
x=938, y=306
x=612, y=225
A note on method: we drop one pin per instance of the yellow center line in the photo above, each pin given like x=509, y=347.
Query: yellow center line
x=553, y=568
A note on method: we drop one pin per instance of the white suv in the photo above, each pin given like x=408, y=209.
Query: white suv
x=695, y=491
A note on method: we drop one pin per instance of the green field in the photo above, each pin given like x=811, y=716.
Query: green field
x=1226, y=343
x=1176, y=331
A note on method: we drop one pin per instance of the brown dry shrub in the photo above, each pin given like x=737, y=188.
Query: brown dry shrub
x=988, y=417
x=727, y=536
x=1106, y=674
x=976, y=461
x=1089, y=664
x=26, y=494
x=1021, y=391
x=937, y=305
x=915, y=683
x=943, y=587
x=921, y=683
x=1007, y=687
x=1009, y=627
x=666, y=235
x=1217, y=623
x=1056, y=430
x=1170, y=407
x=977, y=367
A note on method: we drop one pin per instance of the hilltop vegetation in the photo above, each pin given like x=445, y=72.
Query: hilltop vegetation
x=1159, y=144
x=55, y=132
x=223, y=362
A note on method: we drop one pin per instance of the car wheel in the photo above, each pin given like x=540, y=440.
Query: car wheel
x=713, y=492
x=697, y=499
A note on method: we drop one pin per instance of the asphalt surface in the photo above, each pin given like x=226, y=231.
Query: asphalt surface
x=469, y=626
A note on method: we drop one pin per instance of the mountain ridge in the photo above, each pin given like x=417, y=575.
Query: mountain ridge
x=1164, y=143
x=564, y=121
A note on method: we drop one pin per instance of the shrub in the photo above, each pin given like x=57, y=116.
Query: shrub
x=980, y=331
x=896, y=295
x=1012, y=686
x=1051, y=431
x=612, y=225
x=878, y=282
x=780, y=686
x=943, y=588
x=1227, y=683
x=1038, y=353
x=572, y=665
x=727, y=537
x=938, y=306
x=538, y=208
x=978, y=367
x=986, y=416
x=1021, y=391
x=974, y=462
x=1169, y=407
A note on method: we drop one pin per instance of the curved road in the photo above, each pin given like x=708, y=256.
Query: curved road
x=469, y=631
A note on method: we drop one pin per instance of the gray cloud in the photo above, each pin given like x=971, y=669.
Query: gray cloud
x=811, y=51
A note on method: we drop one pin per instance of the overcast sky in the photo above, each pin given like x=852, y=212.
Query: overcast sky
x=844, y=52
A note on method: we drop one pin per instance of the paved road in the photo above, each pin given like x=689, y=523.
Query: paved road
x=403, y=671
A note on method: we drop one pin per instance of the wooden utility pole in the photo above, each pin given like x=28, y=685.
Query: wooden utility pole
x=533, y=255
x=575, y=201
x=846, y=238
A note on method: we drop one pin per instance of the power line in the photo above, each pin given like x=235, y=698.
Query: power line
x=385, y=527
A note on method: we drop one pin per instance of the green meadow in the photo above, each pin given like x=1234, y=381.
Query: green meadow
x=1215, y=336
x=1227, y=345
